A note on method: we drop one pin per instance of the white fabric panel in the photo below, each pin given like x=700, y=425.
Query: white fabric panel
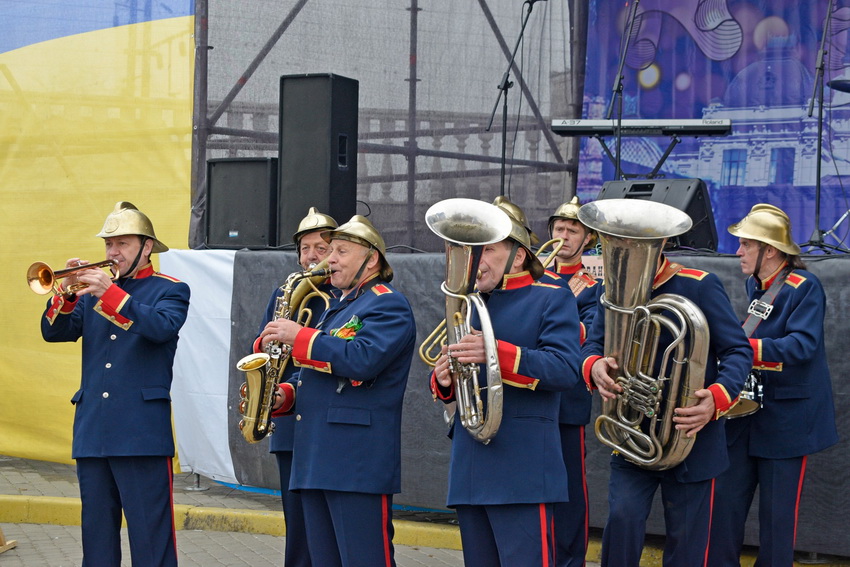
x=199, y=390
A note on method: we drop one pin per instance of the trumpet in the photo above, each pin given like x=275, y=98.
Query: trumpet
x=43, y=280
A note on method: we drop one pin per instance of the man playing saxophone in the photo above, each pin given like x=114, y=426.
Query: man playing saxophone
x=504, y=490
x=687, y=488
x=769, y=448
x=354, y=364
x=311, y=249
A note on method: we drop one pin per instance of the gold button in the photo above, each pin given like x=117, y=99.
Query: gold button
x=298, y=417
x=106, y=394
x=109, y=365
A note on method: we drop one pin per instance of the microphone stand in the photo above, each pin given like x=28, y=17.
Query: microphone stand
x=816, y=239
x=617, y=90
x=504, y=85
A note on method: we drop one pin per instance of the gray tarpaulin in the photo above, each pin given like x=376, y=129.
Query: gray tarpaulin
x=425, y=454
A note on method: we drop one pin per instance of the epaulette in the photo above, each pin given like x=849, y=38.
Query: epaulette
x=165, y=277
x=380, y=289
x=794, y=279
x=692, y=273
x=588, y=279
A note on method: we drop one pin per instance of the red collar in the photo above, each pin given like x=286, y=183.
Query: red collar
x=517, y=280
x=565, y=269
x=143, y=272
x=769, y=280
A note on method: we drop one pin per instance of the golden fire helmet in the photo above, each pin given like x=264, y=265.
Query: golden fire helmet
x=313, y=221
x=767, y=224
x=126, y=219
x=360, y=231
x=569, y=211
x=517, y=214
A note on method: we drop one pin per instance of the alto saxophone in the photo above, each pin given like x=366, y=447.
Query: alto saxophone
x=263, y=370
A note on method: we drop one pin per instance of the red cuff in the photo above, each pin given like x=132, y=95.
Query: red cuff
x=288, y=392
x=582, y=334
x=302, y=351
x=110, y=303
x=258, y=344
x=509, y=359
x=759, y=362
x=442, y=393
x=723, y=402
x=585, y=371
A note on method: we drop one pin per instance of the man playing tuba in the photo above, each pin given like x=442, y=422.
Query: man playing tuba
x=687, y=488
x=504, y=490
x=311, y=249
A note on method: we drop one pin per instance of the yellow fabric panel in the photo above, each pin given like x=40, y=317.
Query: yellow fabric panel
x=85, y=121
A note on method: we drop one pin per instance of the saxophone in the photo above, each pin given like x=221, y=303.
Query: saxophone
x=264, y=369
x=639, y=423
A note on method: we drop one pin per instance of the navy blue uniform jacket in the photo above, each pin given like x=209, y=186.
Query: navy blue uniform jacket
x=350, y=390
x=538, y=342
x=123, y=406
x=798, y=417
x=576, y=402
x=727, y=366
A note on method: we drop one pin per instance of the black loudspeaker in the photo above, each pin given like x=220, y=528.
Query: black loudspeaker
x=688, y=195
x=242, y=203
x=318, y=149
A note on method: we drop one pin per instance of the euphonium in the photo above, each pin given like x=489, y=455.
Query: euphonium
x=467, y=226
x=263, y=370
x=639, y=423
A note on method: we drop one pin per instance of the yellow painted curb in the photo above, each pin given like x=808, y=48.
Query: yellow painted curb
x=65, y=511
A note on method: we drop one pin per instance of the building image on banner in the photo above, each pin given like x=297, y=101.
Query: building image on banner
x=750, y=62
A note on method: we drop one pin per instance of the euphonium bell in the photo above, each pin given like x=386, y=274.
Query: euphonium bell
x=467, y=226
x=639, y=423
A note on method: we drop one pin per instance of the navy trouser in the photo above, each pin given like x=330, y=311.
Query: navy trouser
x=507, y=535
x=296, y=553
x=687, y=516
x=143, y=488
x=349, y=529
x=571, y=517
x=780, y=482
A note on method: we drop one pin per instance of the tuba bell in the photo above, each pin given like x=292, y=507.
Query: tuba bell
x=467, y=226
x=263, y=370
x=639, y=423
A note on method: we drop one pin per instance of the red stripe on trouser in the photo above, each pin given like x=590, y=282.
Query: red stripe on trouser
x=710, y=516
x=544, y=533
x=384, y=520
x=171, y=498
x=584, y=487
x=799, y=493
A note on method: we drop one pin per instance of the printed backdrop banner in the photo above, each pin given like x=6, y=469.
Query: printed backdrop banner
x=750, y=61
x=95, y=108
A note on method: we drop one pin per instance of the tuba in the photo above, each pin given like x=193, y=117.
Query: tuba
x=264, y=369
x=639, y=423
x=467, y=226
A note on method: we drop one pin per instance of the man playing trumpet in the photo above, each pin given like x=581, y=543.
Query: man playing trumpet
x=129, y=329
